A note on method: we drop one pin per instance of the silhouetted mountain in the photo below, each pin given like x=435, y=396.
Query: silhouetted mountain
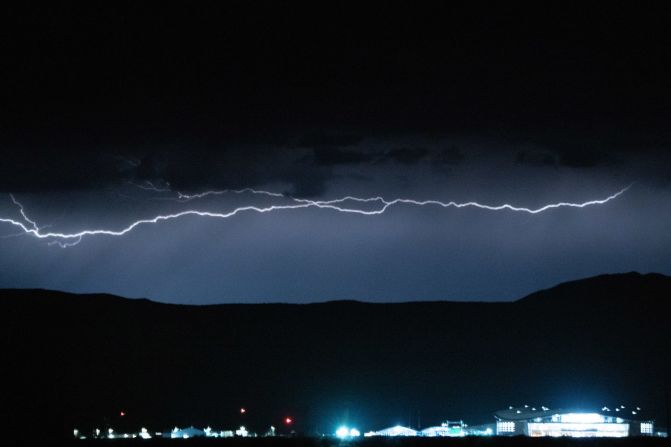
x=78, y=360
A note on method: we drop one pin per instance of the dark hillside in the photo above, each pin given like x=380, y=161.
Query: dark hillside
x=77, y=360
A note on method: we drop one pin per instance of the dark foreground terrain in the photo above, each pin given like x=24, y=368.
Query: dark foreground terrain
x=77, y=361
x=386, y=442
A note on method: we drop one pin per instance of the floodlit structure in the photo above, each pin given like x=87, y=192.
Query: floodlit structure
x=448, y=428
x=545, y=422
x=186, y=433
x=396, y=430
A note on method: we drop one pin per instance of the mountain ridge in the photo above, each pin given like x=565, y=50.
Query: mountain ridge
x=633, y=278
x=77, y=360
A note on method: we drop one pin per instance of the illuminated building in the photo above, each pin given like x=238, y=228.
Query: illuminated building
x=545, y=422
x=394, y=431
x=185, y=433
x=448, y=428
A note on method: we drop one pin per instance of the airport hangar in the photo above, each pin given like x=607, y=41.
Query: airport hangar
x=529, y=421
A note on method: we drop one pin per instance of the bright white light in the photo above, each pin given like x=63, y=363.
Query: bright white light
x=353, y=432
x=489, y=431
x=582, y=418
x=397, y=430
x=144, y=434
x=342, y=432
x=578, y=430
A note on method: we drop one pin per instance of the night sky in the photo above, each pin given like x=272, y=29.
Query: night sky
x=110, y=113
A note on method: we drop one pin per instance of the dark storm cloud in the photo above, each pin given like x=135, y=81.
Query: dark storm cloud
x=582, y=159
x=362, y=155
x=571, y=159
x=406, y=155
x=35, y=170
x=536, y=158
x=191, y=169
x=452, y=155
x=323, y=140
x=585, y=153
x=231, y=98
x=331, y=157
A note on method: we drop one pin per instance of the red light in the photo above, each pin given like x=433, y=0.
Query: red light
x=288, y=421
x=243, y=411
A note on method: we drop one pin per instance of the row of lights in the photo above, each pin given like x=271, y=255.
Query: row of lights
x=288, y=420
x=145, y=434
x=622, y=407
x=617, y=409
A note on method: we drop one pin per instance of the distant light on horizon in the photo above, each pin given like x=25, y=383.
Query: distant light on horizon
x=342, y=432
x=345, y=432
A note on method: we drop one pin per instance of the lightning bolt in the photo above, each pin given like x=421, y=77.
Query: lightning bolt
x=23, y=213
x=386, y=204
x=31, y=228
x=188, y=197
x=184, y=197
x=149, y=186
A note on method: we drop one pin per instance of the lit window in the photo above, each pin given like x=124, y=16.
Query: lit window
x=505, y=427
x=646, y=428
